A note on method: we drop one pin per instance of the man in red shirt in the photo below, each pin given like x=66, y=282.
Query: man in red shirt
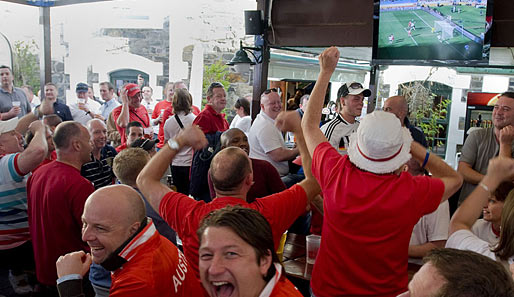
x=163, y=108
x=371, y=204
x=56, y=195
x=131, y=110
x=211, y=120
x=232, y=176
x=252, y=268
x=123, y=240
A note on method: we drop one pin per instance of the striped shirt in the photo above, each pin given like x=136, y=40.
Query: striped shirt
x=99, y=172
x=338, y=132
x=14, y=226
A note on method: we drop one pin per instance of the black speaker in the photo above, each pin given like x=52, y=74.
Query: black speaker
x=253, y=22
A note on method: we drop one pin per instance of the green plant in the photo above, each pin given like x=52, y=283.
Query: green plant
x=428, y=120
x=26, y=66
x=216, y=72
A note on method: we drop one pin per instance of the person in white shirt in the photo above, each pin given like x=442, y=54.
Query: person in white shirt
x=107, y=94
x=149, y=103
x=488, y=228
x=499, y=169
x=84, y=109
x=182, y=119
x=242, y=120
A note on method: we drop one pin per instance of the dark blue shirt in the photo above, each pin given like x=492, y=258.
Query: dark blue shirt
x=99, y=172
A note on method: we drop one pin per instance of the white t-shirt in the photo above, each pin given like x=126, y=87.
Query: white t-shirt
x=338, y=132
x=263, y=138
x=466, y=240
x=431, y=227
x=244, y=124
x=80, y=116
x=172, y=129
x=484, y=230
x=236, y=119
x=149, y=107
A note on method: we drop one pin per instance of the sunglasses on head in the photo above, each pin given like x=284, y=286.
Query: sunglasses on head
x=356, y=86
x=270, y=90
x=216, y=85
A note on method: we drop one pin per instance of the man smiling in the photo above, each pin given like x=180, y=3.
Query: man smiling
x=123, y=240
x=237, y=257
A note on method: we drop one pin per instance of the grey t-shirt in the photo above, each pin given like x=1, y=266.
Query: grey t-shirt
x=478, y=149
x=7, y=99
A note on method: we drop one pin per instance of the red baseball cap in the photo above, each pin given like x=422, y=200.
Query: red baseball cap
x=132, y=89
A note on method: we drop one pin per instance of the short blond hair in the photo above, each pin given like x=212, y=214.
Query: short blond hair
x=128, y=163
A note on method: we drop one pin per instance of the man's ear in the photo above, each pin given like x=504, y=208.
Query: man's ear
x=134, y=227
x=75, y=144
x=264, y=263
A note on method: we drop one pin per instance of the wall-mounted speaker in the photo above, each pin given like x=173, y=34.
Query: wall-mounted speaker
x=253, y=22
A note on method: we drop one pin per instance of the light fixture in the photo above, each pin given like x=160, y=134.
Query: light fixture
x=241, y=61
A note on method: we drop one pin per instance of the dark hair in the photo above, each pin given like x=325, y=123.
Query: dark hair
x=505, y=248
x=147, y=87
x=250, y=226
x=469, y=274
x=182, y=101
x=51, y=84
x=28, y=137
x=210, y=90
x=6, y=67
x=65, y=133
x=242, y=102
x=132, y=124
x=227, y=176
x=508, y=94
x=503, y=190
x=108, y=84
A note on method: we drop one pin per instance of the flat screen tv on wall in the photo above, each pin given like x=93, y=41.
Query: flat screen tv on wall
x=432, y=32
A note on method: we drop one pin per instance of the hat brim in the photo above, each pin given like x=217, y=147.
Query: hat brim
x=380, y=167
x=364, y=92
x=9, y=125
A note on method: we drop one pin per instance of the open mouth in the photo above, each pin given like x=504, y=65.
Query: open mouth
x=223, y=289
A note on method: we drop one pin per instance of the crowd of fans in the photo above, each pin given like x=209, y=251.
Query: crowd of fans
x=83, y=207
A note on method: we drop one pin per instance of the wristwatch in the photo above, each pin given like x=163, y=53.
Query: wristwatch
x=173, y=144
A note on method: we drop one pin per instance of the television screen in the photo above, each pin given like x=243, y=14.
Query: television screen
x=455, y=31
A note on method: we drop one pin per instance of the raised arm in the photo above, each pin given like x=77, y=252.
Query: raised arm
x=149, y=180
x=47, y=107
x=290, y=121
x=34, y=154
x=438, y=168
x=499, y=169
x=124, y=117
x=312, y=117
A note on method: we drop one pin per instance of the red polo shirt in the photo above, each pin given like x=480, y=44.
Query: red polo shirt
x=135, y=115
x=210, y=121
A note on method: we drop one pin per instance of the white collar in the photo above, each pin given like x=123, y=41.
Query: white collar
x=266, y=292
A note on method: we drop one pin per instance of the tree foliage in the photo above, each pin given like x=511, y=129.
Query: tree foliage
x=26, y=65
x=216, y=72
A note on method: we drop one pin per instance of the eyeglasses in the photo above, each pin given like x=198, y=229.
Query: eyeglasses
x=270, y=90
x=356, y=86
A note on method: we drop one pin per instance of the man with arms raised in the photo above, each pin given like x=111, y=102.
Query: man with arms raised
x=232, y=176
x=15, y=163
x=253, y=268
x=123, y=240
x=56, y=195
x=370, y=203
x=50, y=104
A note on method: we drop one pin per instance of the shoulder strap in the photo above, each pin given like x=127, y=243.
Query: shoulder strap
x=179, y=121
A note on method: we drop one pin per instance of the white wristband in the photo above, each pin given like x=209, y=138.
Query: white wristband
x=484, y=187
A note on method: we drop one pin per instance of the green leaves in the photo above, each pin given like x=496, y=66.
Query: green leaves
x=26, y=65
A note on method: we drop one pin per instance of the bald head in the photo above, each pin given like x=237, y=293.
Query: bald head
x=398, y=106
x=119, y=202
x=229, y=168
x=235, y=137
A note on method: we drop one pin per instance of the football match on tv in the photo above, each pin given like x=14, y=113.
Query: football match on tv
x=432, y=30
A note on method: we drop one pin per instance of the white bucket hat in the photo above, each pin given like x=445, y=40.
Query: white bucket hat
x=381, y=144
x=9, y=125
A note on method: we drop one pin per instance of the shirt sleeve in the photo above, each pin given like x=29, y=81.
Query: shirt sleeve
x=438, y=223
x=466, y=240
x=175, y=207
x=324, y=159
x=269, y=139
x=10, y=169
x=202, y=121
x=156, y=111
x=427, y=194
x=470, y=148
